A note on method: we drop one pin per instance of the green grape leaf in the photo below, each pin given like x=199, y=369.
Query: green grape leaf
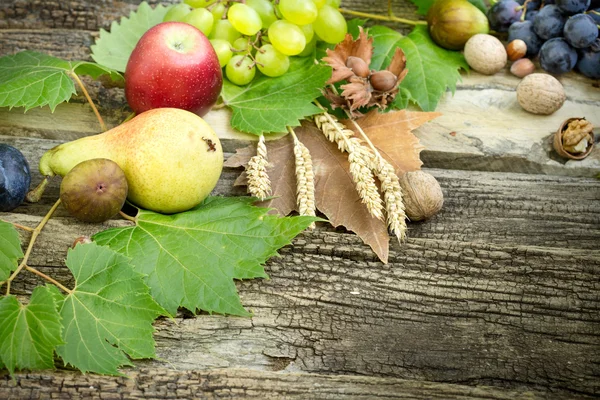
x=114, y=48
x=10, y=249
x=29, y=333
x=108, y=314
x=30, y=79
x=424, y=5
x=271, y=104
x=192, y=258
x=431, y=69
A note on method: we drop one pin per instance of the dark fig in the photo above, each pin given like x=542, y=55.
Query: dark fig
x=15, y=177
x=453, y=22
x=94, y=190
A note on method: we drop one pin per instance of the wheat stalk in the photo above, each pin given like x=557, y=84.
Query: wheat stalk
x=259, y=184
x=360, y=158
x=305, y=179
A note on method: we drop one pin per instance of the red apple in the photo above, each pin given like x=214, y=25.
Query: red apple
x=173, y=65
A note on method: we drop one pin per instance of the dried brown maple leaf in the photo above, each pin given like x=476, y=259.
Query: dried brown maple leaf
x=336, y=196
x=361, y=48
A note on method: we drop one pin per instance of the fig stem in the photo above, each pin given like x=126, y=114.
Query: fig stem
x=127, y=217
x=391, y=18
x=49, y=279
x=25, y=228
x=34, y=236
x=89, y=99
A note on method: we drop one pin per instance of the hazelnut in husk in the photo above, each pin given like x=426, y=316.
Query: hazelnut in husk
x=452, y=22
x=421, y=194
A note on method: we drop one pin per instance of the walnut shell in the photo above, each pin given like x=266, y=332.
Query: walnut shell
x=485, y=54
x=540, y=94
x=422, y=195
x=558, y=142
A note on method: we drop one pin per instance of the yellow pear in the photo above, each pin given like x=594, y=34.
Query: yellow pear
x=172, y=158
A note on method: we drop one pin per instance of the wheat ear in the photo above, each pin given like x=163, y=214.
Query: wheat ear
x=259, y=184
x=305, y=179
x=360, y=158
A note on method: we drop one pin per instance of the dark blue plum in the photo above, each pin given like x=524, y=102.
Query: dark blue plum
x=549, y=22
x=15, y=177
x=589, y=61
x=557, y=56
x=571, y=7
x=580, y=31
x=502, y=14
x=524, y=31
x=530, y=15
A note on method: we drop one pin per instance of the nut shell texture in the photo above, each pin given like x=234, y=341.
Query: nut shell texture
x=540, y=94
x=422, y=195
x=485, y=54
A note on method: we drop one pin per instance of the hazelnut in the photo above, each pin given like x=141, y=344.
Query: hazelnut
x=540, y=94
x=516, y=49
x=522, y=67
x=358, y=66
x=485, y=54
x=422, y=195
x=383, y=80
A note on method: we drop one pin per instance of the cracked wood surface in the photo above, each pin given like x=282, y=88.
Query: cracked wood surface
x=497, y=297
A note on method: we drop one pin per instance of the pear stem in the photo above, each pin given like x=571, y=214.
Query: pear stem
x=49, y=279
x=390, y=18
x=89, y=99
x=35, y=194
x=127, y=217
x=34, y=236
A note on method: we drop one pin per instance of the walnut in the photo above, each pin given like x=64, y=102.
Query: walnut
x=540, y=94
x=485, y=54
x=422, y=195
x=574, y=139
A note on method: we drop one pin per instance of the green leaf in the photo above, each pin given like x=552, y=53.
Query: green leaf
x=270, y=104
x=30, y=79
x=431, y=69
x=10, y=249
x=114, y=48
x=424, y=5
x=29, y=333
x=192, y=258
x=108, y=314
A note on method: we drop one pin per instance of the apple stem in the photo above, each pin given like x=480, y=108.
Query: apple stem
x=89, y=99
x=34, y=236
x=390, y=18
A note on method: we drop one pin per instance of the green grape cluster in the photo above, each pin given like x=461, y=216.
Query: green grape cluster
x=262, y=34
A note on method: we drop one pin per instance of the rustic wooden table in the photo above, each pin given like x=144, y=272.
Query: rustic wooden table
x=497, y=297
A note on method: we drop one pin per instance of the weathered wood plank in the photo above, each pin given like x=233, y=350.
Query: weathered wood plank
x=243, y=384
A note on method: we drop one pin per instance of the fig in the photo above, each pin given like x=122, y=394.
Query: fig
x=15, y=177
x=94, y=190
x=452, y=22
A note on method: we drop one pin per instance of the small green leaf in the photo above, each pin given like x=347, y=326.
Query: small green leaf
x=30, y=79
x=10, y=249
x=192, y=258
x=29, y=333
x=114, y=48
x=109, y=313
x=431, y=69
x=270, y=104
x=424, y=5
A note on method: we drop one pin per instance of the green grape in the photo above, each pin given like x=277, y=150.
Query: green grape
x=265, y=11
x=330, y=25
x=320, y=3
x=240, y=70
x=244, y=19
x=299, y=12
x=177, y=12
x=222, y=29
x=334, y=3
x=223, y=50
x=308, y=31
x=309, y=48
x=241, y=44
x=200, y=18
x=287, y=37
x=271, y=62
x=218, y=11
x=199, y=3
